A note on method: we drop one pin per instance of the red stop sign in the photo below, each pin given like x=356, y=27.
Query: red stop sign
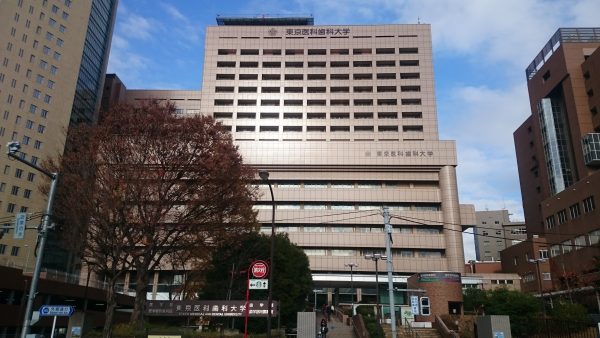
x=259, y=269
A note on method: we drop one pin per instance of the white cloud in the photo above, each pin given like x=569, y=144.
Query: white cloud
x=185, y=29
x=138, y=27
x=129, y=65
x=485, y=117
x=485, y=31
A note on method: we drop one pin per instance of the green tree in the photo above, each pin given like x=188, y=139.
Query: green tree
x=522, y=308
x=292, y=280
x=474, y=300
x=573, y=315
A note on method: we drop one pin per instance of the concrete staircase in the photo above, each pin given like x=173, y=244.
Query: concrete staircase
x=404, y=333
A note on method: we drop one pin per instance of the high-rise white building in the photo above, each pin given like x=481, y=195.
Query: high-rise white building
x=344, y=119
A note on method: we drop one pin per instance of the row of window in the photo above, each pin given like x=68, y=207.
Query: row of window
x=18, y=174
x=320, y=89
x=13, y=252
x=319, y=51
x=400, y=253
x=574, y=212
x=359, y=228
x=347, y=184
x=312, y=103
x=12, y=208
x=319, y=116
x=321, y=76
x=577, y=243
x=317, y=64
x=323, y=129
x=347, y=206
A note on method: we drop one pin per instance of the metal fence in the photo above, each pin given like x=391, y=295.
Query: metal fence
x=556, y=328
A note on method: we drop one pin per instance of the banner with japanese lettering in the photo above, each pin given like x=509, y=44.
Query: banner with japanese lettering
x=213, y=308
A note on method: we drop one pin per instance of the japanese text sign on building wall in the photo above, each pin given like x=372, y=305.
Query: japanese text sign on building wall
x=318, y=31
x=399, y=153
x=214, y=308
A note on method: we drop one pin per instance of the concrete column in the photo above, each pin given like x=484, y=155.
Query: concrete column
x=154, y=285
x=455, y=256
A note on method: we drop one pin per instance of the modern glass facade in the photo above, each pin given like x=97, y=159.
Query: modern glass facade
x=93, y=62
x=591, y=149
x=555, y=137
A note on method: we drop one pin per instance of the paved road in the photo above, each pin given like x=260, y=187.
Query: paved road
x=337, y=329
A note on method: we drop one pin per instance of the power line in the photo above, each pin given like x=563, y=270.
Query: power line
x=487, y=228
x=491, y=236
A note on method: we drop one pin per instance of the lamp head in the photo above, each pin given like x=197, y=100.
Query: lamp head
x=13, y=147
x=264, y=175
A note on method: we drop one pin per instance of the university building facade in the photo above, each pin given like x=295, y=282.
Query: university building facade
x=344, y=119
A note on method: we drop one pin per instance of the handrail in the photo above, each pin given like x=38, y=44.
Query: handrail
x=443, y=329
x=359, y=326
x=411, y=331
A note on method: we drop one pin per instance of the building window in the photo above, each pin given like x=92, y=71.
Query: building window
x=546, y=276
x=18, y=173
x=588, y=204
x=14, y=251
x=567, y=247
x=543, y=253
x=15, y=190
x=579, y=242
x=562, y=216
x=2, y=249
x=555, y=250
x=10, y=207
x=574, y=211
x=550, y=222
x=27, y=193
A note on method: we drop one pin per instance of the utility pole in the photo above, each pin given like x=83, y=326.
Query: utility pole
x=390, y=267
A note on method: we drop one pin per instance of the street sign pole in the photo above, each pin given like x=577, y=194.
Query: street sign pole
x=247, y=297
x=53, y=327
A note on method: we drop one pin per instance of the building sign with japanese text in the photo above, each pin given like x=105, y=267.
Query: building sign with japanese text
x=399, y=153
x=446, y=277
x=345, y=31
x=213, y=308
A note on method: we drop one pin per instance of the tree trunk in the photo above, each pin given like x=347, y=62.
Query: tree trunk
x=111, y=304
x=141, y=284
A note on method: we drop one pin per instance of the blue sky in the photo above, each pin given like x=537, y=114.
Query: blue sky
x=481, y=49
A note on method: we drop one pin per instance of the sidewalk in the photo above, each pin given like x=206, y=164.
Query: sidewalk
x=337, y=329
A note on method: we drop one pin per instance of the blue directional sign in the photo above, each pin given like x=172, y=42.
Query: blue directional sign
x=56, y=310
x=20, y=223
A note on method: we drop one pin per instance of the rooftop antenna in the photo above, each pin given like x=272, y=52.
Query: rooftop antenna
x=418, y=19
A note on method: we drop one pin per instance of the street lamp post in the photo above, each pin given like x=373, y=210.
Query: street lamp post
x=13, y=150
x=352, y=266
x=376, y=257
x=264, y=175
x=537, y=262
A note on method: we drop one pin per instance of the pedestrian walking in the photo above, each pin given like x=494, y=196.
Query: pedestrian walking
x=324, y=328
